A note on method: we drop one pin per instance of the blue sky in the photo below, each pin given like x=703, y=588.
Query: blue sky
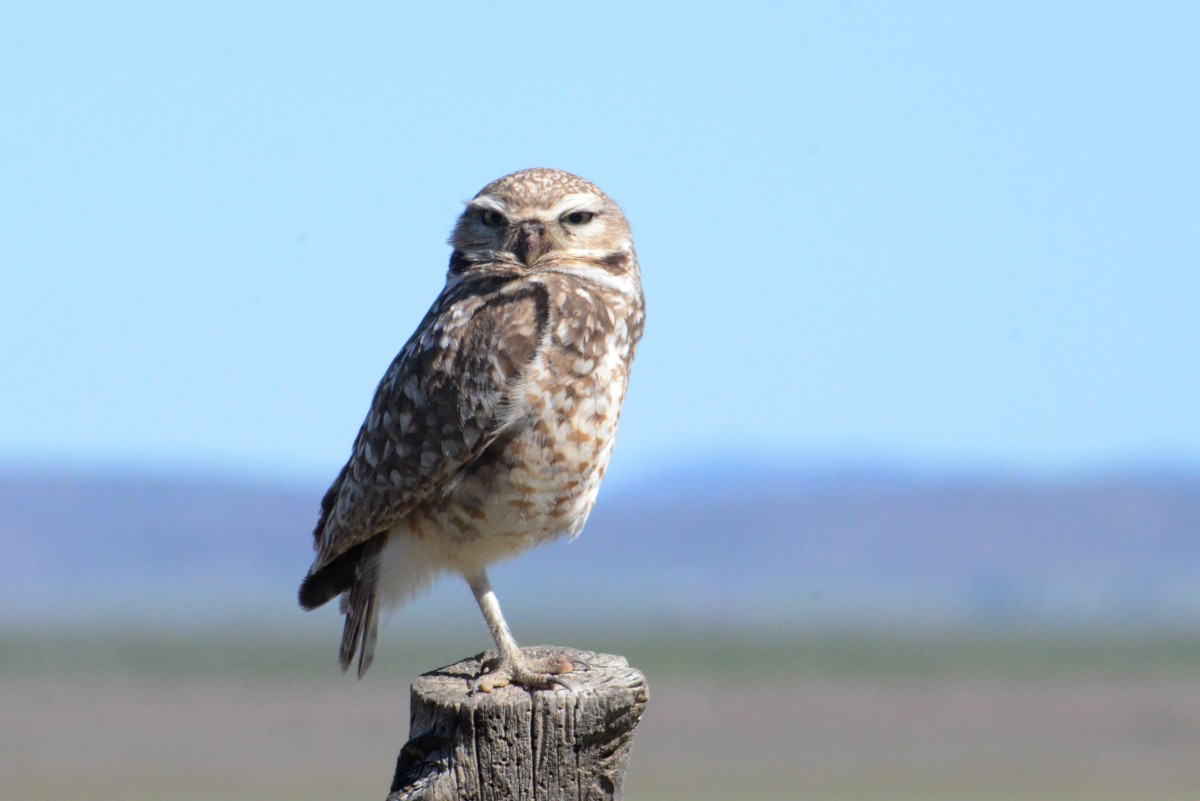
x=944, y=234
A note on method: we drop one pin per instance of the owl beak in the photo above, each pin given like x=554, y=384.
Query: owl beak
x=530, y=239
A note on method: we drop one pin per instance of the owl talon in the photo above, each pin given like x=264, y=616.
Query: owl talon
x=561, y=683
x=532, y=673
x=486, y=682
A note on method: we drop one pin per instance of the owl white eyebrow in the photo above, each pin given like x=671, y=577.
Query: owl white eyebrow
x=489, y=203
x=576, y=202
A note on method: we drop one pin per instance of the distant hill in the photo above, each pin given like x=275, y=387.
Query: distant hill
x=752, y=544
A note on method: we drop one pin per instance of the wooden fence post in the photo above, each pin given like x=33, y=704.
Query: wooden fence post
x=512, y=744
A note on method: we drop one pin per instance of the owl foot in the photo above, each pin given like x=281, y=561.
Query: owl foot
x=532, y=673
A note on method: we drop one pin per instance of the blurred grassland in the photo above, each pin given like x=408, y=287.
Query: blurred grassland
x=769, y=715
x=675, y=654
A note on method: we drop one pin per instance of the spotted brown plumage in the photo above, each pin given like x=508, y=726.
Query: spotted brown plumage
x=492, y=428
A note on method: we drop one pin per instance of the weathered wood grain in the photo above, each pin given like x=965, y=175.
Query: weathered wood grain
x=513, y=745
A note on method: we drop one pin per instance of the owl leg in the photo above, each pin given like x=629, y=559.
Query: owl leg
x=511, y=666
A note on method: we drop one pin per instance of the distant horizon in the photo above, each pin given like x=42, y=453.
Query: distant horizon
x=700, y=466
x=758, y=544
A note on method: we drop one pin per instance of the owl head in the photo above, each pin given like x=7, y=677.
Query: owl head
x=542, y=218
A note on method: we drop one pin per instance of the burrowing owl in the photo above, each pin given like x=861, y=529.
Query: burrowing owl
x=492, y=428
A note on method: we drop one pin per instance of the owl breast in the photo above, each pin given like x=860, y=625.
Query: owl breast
x=538, y=480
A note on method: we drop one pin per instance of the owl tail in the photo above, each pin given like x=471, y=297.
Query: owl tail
x=360, y=604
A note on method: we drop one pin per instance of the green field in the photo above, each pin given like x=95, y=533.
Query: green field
x=145, y=715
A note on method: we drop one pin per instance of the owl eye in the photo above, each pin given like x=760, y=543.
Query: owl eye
x=579, y=217
x=492, y=218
